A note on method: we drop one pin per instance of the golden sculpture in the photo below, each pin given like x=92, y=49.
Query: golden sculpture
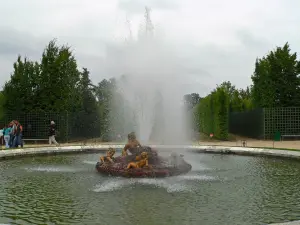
x=132, y=143
x=142, y=161
x=109, y=156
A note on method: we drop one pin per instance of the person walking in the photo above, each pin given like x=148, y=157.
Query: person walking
x=52, y=133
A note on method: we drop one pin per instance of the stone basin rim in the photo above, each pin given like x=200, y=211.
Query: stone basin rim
x=16, y=153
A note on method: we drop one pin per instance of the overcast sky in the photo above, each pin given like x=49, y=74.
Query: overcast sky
x=218, y=40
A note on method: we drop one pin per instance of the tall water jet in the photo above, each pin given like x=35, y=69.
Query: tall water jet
x=150, y=86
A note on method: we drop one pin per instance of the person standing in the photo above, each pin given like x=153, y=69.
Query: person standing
x=1, y=136
x=12, y=133
x=6, y=133
x=52, y=133
x=18, y=135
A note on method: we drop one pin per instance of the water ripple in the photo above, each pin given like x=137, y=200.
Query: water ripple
x=220, y=190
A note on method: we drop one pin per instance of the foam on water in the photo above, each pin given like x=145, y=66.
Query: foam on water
x=171, y=184
x=90, y=162
x=52, y=169
x=196, y=177
x=110, y=186
x=199, y=167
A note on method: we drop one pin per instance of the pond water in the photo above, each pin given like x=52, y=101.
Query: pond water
x=220, y=189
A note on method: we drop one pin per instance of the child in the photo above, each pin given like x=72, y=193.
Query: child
x=109, y=156
x=6, y=133
x=142, y=161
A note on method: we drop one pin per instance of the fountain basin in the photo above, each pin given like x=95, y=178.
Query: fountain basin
x=7, y=154
x=219, y=189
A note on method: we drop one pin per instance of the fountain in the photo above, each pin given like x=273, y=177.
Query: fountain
x=221, y=189
x=151, y=87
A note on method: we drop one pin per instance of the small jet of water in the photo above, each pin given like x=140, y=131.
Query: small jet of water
x=170, y=184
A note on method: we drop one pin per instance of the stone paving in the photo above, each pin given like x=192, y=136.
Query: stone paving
x=256, y=143
x=197, y=148
x=238, y=143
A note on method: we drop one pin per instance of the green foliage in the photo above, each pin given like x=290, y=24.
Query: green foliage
x=212, y=113
x=87, y=120
x=20, y=91
x=239, y=100
x=276, y=83
x=59, y=80
x=205, y=114
x=275, y=79
x=221, y=110
x=2, y=102
x=53, y=85
x=89, y=103
x=104, y=93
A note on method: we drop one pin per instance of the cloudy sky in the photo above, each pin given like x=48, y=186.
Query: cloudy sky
x=217, y=40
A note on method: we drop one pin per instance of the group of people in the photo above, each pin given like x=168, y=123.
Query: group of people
x=141, y=160
x=12, y=134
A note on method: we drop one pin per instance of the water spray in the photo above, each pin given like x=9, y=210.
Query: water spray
x=151, y=88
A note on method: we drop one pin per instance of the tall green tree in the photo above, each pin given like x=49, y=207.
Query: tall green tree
x=228, y=87
x=105, y=93
x=236, y=102
x=59, y=80
x=87, y=122
x=239, y=99
x=89, y=103
x=20, y=90
x=275, y=80
x=2, y=103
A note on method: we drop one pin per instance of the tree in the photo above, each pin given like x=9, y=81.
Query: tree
x=89, y=103
x=2, y=103
x=20, y=91
x=236, y=102
x=275, y=79
x=239, y=99
x=104, y=93
x=87, y=118
x=228, y=88
x=59, y=80
x=52, y=85
x=191, y=100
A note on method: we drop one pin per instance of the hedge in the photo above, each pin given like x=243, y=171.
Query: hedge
x=212, y=114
